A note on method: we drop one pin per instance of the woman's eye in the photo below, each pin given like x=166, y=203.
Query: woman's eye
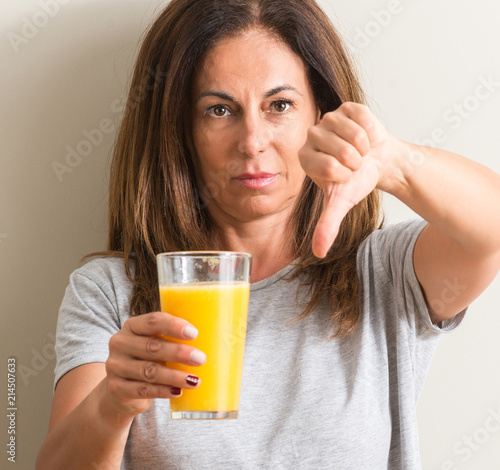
x=219, y=111
x=281, y=106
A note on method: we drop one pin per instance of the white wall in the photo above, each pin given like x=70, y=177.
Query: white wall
x=64, y=78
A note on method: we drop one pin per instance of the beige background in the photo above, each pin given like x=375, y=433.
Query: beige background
x=64, y=68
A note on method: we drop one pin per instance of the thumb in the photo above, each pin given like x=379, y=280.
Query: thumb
x=335, y=208
x=339, y=200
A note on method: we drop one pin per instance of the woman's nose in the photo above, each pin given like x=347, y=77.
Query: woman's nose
x=255, y=134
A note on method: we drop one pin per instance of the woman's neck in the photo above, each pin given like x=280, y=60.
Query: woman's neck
x=268, y=241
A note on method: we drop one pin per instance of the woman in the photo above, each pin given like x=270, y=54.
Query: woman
x=245, y=131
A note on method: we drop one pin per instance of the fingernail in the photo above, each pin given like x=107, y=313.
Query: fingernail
x=175, y=391
x=192, y=380
x=190, y=332
x=198, y=357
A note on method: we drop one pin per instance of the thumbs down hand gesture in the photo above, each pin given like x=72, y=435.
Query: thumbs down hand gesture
x=348, y=154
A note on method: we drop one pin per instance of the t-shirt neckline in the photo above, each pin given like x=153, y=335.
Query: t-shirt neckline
x=262, y=284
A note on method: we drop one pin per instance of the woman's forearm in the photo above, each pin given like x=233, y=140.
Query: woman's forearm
x=349, y=153
x=91, y=436
x=458, y=196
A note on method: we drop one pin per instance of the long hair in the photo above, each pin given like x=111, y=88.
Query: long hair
x=154, y=204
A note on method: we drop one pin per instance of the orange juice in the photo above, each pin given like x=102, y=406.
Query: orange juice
x=219, y=311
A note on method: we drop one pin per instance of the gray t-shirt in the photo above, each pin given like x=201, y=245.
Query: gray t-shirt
x=306, y=402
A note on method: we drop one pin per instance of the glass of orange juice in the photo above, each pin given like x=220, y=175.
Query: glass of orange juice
x=210, y=290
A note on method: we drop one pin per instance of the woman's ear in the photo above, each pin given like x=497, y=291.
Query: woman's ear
x=318, y=115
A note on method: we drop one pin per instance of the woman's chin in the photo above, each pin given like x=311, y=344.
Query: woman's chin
x=250, y=209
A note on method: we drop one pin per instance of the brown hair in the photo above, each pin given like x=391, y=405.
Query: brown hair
x=154, y=204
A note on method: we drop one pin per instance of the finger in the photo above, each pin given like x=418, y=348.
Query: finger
x=324, y=138
x=339, y=200
x=362, y=115
x=155, y=349
x=353, y=136
x=156, y=323
x=320, y=167
x=123, y=389
x=152, y=372
x=335, y=209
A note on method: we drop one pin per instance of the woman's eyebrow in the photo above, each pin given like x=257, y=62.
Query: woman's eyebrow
x=268, y=94
x=281, y=88
x=219, y=94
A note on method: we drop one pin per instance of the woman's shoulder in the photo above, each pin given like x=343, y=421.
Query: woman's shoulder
x=100, y=285
x=389, y=250
x=105, y=270
x=394, y=235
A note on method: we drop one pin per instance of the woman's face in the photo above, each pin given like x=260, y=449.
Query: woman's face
x=251, y=108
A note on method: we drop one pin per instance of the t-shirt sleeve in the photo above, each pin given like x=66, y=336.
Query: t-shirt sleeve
x=87, y=319
x=393, y=248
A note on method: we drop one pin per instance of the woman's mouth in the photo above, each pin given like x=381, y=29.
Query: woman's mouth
x=256, y=180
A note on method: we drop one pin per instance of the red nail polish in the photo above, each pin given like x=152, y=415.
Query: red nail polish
x=192, y=380
x=175, y=391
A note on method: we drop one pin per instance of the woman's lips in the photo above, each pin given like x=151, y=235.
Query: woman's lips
x=256, y=180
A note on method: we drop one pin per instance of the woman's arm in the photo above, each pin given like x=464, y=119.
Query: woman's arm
x=458, y=254
x=94, y=404
x=83, y=432
x=349, y=153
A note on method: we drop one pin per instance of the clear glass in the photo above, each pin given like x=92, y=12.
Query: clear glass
x=210, y=290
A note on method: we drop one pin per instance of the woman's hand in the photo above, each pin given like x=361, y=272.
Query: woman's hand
x=348, y=154
x=135, y=368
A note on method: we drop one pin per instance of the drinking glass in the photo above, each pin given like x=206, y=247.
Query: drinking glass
x=210, y=290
